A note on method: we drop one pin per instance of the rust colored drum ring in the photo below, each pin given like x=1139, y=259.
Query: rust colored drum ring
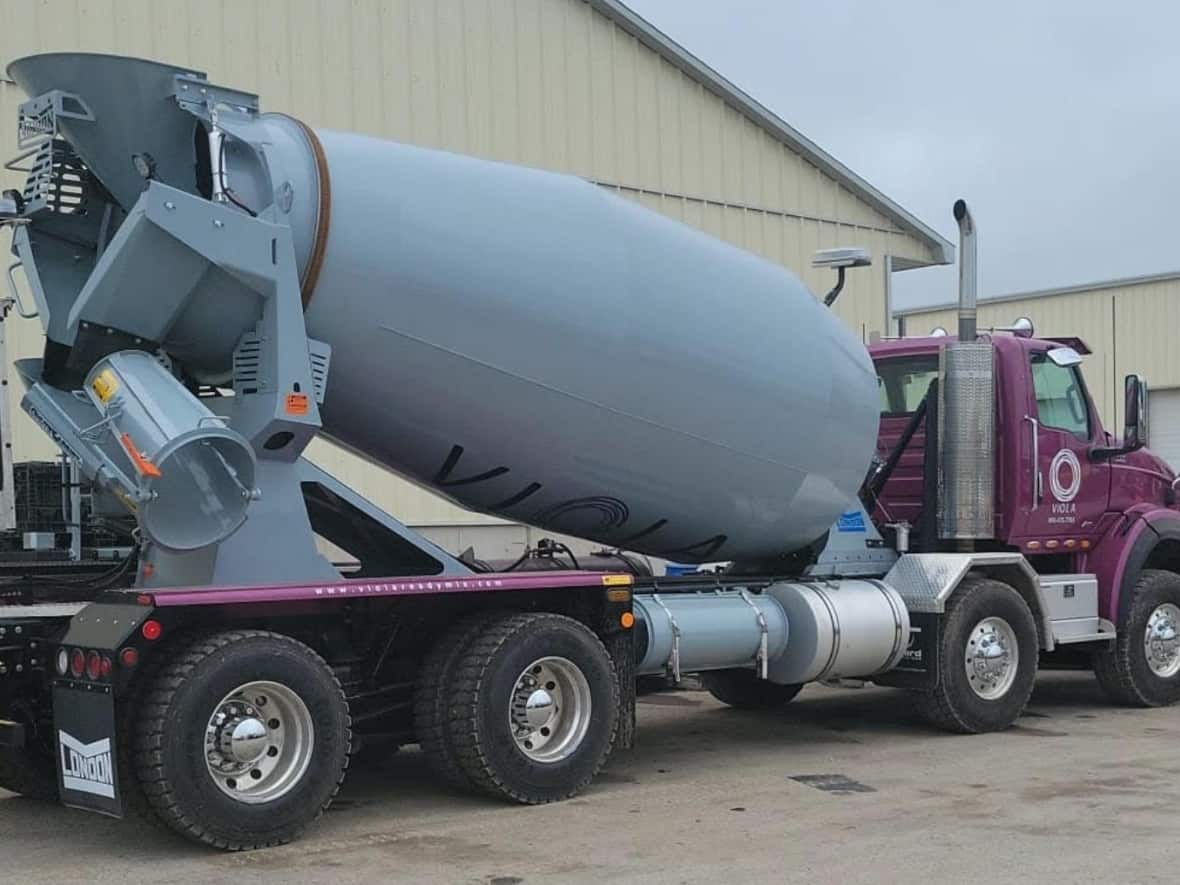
x=319, y=245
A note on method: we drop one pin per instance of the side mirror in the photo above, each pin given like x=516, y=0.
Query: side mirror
x=840, y=260
x=849, y=256
x=1134, y=421
x=1135, y=412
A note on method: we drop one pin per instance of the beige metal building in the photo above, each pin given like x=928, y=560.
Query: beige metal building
x=580, y=86
x=1130, y=324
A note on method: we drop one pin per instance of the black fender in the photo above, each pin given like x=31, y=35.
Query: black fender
x=1154, y=533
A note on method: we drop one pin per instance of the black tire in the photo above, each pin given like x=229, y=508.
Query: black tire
x=29, y=774
x=482, y=686
x=168, y=742
x=745, y=691
x=432, y=700
x=1122, y=669
x=126, y=712
x=954, y=705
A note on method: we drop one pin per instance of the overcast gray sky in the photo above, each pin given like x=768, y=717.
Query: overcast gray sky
x=1057, y=120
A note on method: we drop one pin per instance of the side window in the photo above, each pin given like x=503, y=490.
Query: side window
x=903, y=382
x=1061, y=398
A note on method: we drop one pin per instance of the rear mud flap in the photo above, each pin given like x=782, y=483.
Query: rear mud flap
x=919, y=666
x=87, y=773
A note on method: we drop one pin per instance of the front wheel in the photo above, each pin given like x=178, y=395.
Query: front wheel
x=988, y=660
x=242, y=740
x=533, y=707
x=1141, y=668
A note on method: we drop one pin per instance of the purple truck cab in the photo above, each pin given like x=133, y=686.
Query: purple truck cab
x=1065, y=496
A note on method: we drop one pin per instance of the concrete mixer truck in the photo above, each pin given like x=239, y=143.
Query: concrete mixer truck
x=219, y=285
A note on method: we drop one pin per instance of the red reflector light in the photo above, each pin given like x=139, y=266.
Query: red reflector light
x=151, y=630
x=106, y=667
x=128, y=657
x=77, y=663
x=93, y=666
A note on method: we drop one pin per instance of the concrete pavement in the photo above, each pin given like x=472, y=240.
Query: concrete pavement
x=842, y=786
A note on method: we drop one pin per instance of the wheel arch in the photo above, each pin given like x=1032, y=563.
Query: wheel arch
x=925, y=581
x=1155, y=545
x=1021, y=578
x=1165, y=556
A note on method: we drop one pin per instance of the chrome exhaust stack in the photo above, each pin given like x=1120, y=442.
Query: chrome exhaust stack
x=966, y=431
x=968, y=271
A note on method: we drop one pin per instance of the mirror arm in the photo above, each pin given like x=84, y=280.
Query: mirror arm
x=1099, y=454
x=831, y=297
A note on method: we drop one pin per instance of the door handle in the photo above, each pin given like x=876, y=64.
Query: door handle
x=1036, y=460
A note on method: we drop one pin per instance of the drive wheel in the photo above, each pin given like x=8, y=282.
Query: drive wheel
x=1141, y=668
x=988, y=660
x=433, y=702
x=534, y=708
x=242, y=740
x=745, y=691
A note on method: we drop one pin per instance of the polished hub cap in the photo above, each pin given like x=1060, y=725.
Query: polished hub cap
x=258, y=742
x=248, y=740
x=991, y=658
x=1162, y=641
x=549, y=711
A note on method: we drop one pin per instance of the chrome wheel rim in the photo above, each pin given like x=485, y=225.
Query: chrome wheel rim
x=549, y=711
x=258, y=742
x=1161, y=640
x=992, y=657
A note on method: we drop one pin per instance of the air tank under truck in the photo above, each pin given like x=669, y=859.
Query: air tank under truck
x=218, y=286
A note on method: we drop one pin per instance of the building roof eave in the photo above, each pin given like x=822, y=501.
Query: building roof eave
x=1076, y=289
x=634, y=24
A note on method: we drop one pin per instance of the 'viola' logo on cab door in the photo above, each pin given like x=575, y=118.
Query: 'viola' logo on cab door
x=1065, y=476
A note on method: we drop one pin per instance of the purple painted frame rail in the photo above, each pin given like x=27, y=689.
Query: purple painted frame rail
x=412, y=586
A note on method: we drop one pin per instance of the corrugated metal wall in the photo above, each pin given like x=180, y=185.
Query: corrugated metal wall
x=547, y=83
x=1131, y=327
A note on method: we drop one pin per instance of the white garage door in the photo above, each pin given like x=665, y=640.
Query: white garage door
x=1163, y=415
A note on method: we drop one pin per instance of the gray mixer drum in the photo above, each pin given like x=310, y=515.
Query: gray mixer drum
x=524, y=342
x=535, y=347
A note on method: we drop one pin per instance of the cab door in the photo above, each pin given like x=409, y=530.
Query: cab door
x=1064, y=493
